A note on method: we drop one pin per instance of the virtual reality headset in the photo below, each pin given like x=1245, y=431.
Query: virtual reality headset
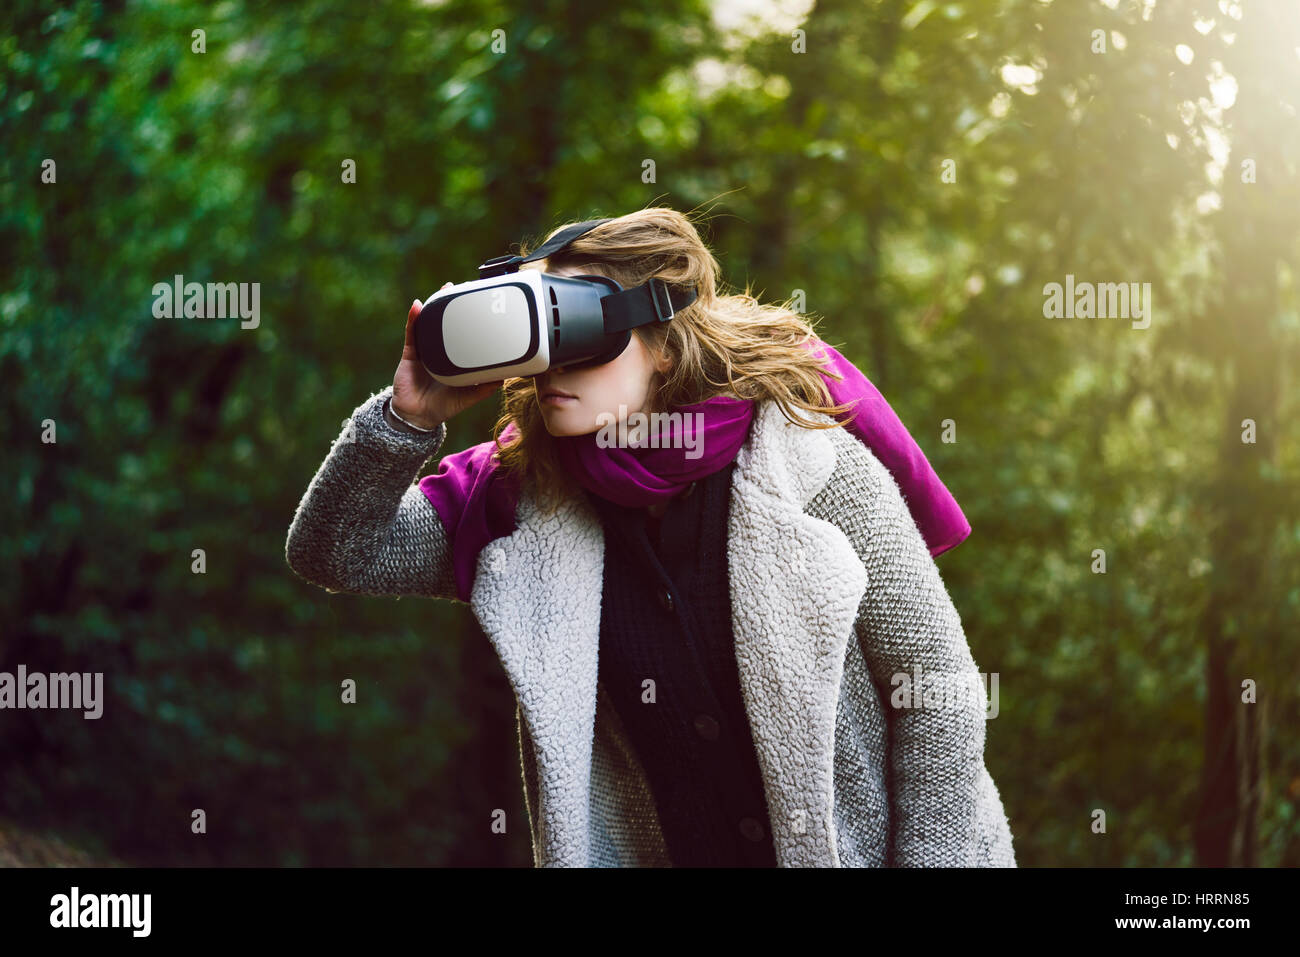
x=509, y=323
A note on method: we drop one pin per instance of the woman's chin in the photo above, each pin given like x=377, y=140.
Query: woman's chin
x=566, y=422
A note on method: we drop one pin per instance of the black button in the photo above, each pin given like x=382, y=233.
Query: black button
x=666, y=599
x=752, y=830
x=707, y=727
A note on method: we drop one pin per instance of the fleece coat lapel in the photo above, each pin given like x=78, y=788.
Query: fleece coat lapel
x=537, y=597
x=796, y=582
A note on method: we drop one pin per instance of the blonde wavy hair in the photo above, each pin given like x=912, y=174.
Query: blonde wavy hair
x=721, y=344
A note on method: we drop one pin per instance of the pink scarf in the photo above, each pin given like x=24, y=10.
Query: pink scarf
x=477, y=504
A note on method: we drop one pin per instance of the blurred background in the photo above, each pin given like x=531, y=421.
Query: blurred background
x=921, y=170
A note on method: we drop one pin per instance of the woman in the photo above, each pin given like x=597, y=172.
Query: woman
x=710, y=635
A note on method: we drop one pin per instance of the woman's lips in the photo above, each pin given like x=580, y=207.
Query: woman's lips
x=554, y=398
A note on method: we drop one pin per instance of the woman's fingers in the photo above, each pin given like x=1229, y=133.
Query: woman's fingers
x=408, y=347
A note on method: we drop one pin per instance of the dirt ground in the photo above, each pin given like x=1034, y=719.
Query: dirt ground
x=20, y=847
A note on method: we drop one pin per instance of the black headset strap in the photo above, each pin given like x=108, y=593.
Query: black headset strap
x=504, y=264
x=655, y=301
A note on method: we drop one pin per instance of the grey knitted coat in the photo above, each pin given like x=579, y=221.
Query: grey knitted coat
x=835, y=602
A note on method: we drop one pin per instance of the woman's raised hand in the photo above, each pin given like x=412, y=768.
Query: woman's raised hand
x=421, y=399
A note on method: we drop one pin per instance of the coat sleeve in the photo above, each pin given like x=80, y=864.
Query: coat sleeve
x=363, y=525
x=908, y=628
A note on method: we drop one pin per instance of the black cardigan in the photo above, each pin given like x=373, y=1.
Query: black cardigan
x=666, y=618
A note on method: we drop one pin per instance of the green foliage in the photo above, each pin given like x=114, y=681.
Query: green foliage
x=1072, y=435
